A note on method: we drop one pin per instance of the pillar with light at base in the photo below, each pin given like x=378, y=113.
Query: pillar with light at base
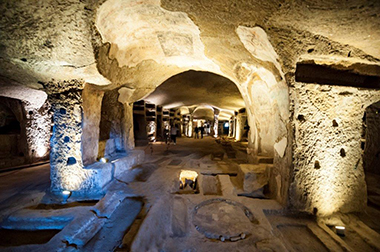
x=190, y=126
x=216, y=122
x=67, y=173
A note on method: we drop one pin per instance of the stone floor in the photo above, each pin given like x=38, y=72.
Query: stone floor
x=145, y=210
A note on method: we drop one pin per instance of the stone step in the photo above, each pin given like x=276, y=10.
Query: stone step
x=31, y=219
x=264, y=160
x=220, y=168
x=217, y=155
x=210, y=185
x=179, y=220
x=226, y=185
x=253, y=176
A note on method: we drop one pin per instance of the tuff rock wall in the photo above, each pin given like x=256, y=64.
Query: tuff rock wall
x=371, y=136
x=328, y=162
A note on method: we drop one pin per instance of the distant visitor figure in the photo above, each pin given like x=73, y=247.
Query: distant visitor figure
x=173, y=134
x=202, y=131
x=166, y=135
x=196, y=130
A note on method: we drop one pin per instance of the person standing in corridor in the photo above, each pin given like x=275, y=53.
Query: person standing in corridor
x=196, y=130
x=202, y=129
x=173, y=134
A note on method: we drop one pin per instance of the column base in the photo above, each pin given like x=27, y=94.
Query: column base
x=101, y=174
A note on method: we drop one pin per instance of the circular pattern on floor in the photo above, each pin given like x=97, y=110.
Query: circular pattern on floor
x=223, y=219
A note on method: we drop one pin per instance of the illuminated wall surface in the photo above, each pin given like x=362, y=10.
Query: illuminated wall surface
x=329, y=171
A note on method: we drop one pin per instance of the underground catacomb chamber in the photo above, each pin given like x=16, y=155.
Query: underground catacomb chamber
x=120, y=75
x=191, y=100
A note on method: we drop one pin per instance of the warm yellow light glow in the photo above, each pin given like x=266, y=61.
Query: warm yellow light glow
x=41, y=151
x=189, y=175
x=340, y=230
x=74, y=181
x=330, y=196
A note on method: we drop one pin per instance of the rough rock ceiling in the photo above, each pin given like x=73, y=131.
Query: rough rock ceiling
x=59, y=39
x=352, y=22
x=194, y=88
x=203, y=113
x=41, y=40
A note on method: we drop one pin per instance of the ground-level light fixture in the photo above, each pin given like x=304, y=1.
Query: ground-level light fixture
x=66, y=195
x=340, y=230
x=188, y=177
x=103, y=160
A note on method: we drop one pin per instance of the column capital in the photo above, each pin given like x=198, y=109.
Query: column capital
x=58, y=87
x=66, y=91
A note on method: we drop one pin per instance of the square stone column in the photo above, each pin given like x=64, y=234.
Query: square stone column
x=92, y=105
x=216, y=122
x=128, y=135
x=67, y=169
x=190, y=126
x=241, y=119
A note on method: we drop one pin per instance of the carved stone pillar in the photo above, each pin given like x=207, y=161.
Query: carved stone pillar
x=92, y=105
x=241, y=119
x=190, y=126
x=216, y=122
x=127, y=123
x=129, y=139
x=67, y=171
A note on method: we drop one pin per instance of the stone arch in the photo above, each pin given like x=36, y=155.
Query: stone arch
x=31, y=110
x=140, y=45
x=12, y=145
x=110, y=126
x=144, y=44
x=9, y=121
x=203, y=112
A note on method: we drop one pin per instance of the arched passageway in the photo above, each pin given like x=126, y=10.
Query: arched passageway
x=159, y=54
x=194, y=99
x=25, y=126
x=10, y=131
x=255, y=69
x=285, y=84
